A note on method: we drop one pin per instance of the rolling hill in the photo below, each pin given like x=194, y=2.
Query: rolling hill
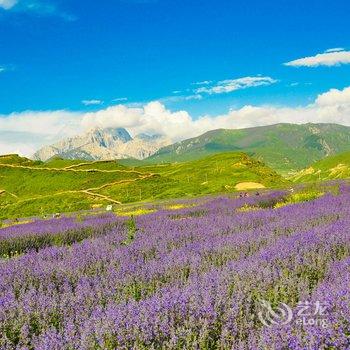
x=284, y=147
x=37, y=188
x=329, y=168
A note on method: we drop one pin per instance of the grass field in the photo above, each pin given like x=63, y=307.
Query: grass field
x=329, y=168
x=35, y=188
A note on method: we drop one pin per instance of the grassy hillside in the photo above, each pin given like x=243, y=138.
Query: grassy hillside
x=35, y=188
x=17, y=160
x=284, y=147
x=213, y=174
x=329, y=168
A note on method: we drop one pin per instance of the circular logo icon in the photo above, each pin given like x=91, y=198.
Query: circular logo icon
x=269, y=317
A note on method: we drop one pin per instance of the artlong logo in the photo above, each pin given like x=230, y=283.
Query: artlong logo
x=305, y=313
x=280, y=316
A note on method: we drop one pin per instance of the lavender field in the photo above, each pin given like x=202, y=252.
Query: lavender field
x=192, y=278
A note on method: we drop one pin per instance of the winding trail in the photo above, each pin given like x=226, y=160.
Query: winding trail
x=11, y=194
x=89, y=191
x=70, y=169
x=89, y=163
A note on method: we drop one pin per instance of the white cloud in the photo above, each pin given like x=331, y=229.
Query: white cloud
x=120, y=99
x=27, y=131
x=334, y=97
x=205, y=82
x=331, y=57
x=8, y=4
x=19, y=142
x=180, y=98
x=92, y=102
x=112, y=117
x=226, y=86
x=151, y=118
x=41, y=7
x=17, y=148
x=336, y=49
x=41, y=122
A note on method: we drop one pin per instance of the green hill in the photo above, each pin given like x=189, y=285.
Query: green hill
x=284, y=147
x=329, y=168
x=35, y=188
x=17, y=160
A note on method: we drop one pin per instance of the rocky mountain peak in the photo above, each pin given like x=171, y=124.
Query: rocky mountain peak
x=111, y=133
x=104, y=144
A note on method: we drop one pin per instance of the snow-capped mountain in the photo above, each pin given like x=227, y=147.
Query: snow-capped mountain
x=104, y=144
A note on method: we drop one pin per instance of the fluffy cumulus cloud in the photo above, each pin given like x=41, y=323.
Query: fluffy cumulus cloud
x=230, y=85
x=334, y=97
x=19, y=142
x=152, y=118
x=44, y=123
x=25, y=132
x=331, y=57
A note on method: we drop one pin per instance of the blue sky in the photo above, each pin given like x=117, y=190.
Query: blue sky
x=85, y=56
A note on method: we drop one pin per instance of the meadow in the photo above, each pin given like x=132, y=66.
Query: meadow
x=188, y=275
x=32, y=188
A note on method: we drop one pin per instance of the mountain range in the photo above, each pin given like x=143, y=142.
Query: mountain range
x=104, y=144
x=286, y=148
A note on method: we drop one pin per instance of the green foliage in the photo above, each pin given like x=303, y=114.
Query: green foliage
x=329, y=168
x=284, y=147
x=304, y=197
x=39, y=206
x=57, y=162
x=132, y=229
x=214, y=174
x=299, y=197
x=66, y=186
x=16, y=159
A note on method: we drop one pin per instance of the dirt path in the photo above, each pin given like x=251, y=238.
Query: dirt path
x=86, y=163
x=89, y=163
x=69, y=169
x=88, y=191
x=145, y=176
x=109, y=199
x=11, y=194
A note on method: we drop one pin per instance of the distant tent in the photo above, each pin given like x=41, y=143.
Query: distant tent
x=109, y=207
